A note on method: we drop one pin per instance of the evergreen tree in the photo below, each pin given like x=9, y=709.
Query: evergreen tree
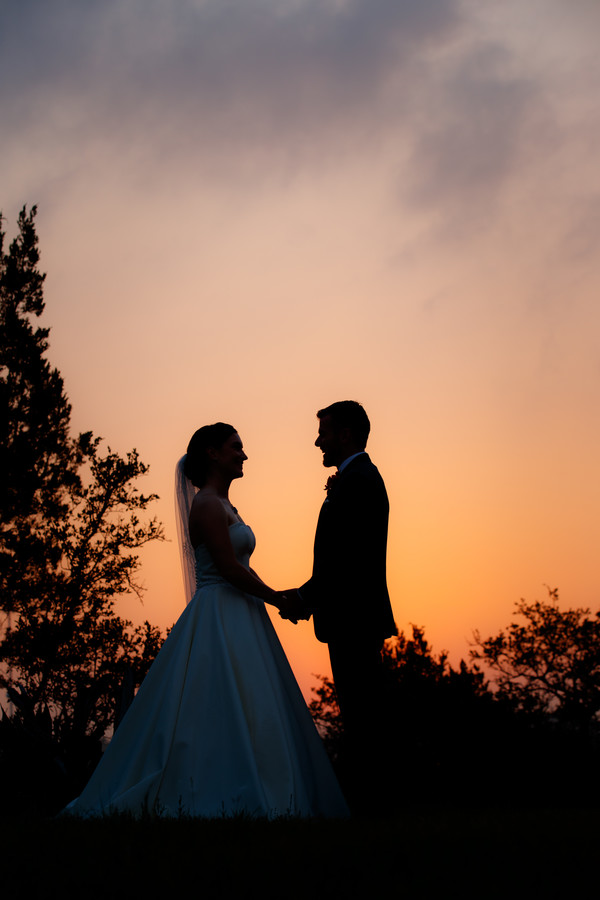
x=38, y=459
x=70, y=528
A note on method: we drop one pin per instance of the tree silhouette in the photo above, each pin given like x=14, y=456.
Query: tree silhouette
x=436, y=718
x=67, y=649
x=70, y=529
x=450, y=738
x=38, y=458
x=549, y=665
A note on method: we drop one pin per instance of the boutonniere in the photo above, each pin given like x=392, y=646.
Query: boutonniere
x=330, y=482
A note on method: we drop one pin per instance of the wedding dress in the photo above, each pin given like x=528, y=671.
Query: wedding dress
x=219, y=725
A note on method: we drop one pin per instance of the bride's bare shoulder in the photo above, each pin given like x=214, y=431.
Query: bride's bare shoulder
x=207, y=503
x=208, y=518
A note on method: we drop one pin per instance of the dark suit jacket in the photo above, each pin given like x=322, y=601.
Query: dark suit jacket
x=347, y=593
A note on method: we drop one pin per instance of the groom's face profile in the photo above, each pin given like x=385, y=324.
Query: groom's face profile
x=331, y=441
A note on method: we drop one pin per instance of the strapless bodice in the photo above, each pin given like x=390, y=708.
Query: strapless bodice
x=243, y=541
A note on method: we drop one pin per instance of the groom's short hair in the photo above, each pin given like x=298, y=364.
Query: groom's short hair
x=351, y=415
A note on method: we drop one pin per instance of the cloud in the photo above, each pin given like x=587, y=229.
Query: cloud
x=211, y=74
x=472, y=143
x=244, y=90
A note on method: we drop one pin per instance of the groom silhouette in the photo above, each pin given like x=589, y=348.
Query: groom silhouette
x=347, y=593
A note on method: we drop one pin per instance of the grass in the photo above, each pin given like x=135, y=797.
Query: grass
x=414, y=854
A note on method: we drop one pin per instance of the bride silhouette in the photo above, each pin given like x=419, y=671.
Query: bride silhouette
x=219, y=725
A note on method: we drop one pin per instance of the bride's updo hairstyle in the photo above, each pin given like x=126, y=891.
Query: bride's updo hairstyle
x=196, y=461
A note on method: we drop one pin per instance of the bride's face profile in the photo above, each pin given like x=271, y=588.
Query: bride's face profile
x=229, y=458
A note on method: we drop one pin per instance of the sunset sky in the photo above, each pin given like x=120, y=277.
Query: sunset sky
x=251, y=208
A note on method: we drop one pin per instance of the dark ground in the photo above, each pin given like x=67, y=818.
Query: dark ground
x=412, y=854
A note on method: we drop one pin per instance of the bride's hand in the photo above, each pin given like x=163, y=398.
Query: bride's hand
x=286, y=605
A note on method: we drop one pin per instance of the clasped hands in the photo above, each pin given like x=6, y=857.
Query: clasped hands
x=291, y=606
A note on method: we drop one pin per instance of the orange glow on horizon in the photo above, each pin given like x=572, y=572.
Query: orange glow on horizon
x=248, y=235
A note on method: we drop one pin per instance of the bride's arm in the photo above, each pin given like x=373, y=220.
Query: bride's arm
x=209, y=526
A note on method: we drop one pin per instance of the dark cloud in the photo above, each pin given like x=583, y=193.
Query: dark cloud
x=239, y=71
x=256, y=86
